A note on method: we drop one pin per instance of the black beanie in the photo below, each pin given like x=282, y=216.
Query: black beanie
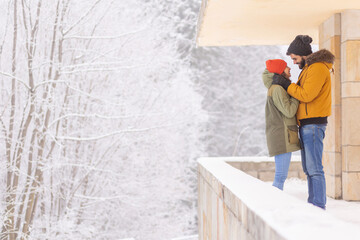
x=300, y=46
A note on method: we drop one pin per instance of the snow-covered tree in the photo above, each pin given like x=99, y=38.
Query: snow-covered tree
x=100, y=122
x=105, y=106
x=234, y=97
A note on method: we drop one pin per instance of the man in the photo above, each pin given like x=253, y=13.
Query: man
x=313, y=90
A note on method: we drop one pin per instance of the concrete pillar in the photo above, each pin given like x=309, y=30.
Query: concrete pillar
x=341, y=35
x=329, y=38
x=350, y=104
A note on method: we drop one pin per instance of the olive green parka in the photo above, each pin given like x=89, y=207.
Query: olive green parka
x=281, y=128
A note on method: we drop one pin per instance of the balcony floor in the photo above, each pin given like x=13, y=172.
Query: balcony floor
x=344, y=210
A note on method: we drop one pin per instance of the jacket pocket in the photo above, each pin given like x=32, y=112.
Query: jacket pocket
x=293, y=134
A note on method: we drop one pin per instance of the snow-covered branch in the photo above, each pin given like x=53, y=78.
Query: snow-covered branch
x=82, y=17
x=99, y=98
x=102, y=116
x=103, y=69
x=49, y=82
x=106, y=37
x=16, y=78
x=111, y=134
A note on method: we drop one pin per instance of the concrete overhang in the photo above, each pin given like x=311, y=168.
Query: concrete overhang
x=264, y=22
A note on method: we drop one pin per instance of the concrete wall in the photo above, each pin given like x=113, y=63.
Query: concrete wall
x=341, y=35
x=350, y=96
x=329, y=38
x=234, y=205
x=265, y=170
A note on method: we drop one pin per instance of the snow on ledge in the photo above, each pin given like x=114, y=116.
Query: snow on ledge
x=294, y=158
x=287, y=215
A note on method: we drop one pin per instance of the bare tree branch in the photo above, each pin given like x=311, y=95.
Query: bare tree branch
x=82, y=17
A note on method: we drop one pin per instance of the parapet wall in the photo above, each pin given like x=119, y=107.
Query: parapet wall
x=263, y=168
x=234, y=205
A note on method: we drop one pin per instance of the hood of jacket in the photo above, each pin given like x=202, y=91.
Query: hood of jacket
x=267, y=78
x=323, y=56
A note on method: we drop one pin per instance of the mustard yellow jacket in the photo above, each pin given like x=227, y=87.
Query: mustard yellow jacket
x=313, y=88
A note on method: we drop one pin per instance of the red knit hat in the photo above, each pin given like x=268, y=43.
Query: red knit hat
x=276, y=66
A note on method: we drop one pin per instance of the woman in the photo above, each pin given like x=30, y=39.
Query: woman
x=281, y=129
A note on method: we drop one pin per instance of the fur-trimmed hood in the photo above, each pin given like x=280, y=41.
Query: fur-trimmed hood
x=322, y=55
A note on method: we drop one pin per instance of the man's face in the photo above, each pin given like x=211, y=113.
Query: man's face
x=299, y=60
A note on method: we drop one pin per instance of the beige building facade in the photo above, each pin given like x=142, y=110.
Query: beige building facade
x=334, y=26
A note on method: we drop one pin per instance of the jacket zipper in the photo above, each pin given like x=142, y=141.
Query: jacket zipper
x=300, y=77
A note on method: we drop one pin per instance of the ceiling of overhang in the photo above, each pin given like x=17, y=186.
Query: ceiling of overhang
x=264, y=22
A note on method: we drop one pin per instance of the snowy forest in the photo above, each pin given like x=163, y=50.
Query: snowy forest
x=106, y=105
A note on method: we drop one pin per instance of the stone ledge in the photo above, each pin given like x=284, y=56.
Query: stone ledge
x=263, y=168
x=239, y=206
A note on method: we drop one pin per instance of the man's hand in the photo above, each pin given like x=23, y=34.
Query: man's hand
x=280, y=80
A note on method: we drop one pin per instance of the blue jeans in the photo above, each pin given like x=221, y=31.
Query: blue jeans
x=311, y=137
x=282, y=163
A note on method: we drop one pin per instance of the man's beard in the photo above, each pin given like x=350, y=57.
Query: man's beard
x=302, y=63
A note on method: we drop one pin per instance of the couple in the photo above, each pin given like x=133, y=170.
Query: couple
x=306, y=104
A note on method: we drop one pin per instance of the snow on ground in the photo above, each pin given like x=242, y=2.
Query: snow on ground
x=344, y=210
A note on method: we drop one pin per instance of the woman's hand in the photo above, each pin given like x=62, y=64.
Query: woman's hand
x=280, y=80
